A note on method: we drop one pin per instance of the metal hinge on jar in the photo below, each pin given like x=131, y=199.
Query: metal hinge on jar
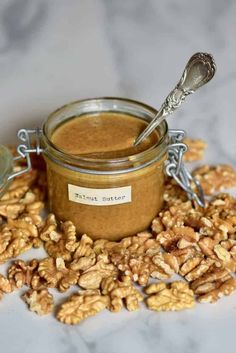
x=26, y=147
x=176, y=169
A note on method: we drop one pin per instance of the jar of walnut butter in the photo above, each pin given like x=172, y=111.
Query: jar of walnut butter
x=96, y=177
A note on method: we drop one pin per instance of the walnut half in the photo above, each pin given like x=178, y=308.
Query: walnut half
x=56, y=274
x=82, y=305
x=169, y=297
x=41, y=301
x=5, y=286
x=120, y=291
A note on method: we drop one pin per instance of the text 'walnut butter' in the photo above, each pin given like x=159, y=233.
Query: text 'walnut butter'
x=96, y=177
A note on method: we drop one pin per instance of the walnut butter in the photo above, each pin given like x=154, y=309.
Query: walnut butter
x=96, y=177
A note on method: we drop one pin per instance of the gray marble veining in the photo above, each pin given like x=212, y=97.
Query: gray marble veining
x=53, y=52
x=19, y=24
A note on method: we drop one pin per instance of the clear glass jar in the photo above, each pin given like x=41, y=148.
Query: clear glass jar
x=105, y=198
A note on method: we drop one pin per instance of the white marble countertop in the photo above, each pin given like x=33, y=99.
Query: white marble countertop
x=53, y=52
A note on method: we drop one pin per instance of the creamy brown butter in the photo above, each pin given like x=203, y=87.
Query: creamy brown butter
x=105, y=134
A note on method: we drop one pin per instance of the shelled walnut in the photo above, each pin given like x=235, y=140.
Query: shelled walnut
x=178, y=237
x=20, y=185
x=217, y=178
x=81, y=306
x=56, y=274
x=166, y=265
x=84, y=247
x=218, y=290
x=11, y=209
x=39, y=301
x=5, y=285
x=174, y=216
x=22, y=273
x=20, y=196
x=59, y=241
x=173, y=194
x=48, y=231
x=225, y=257
x=92, y=277
x=121, y=291
x=13, y=242
x=213, y=284
x=83, y=263
x=202, y=267
x=133, y=256
x=196, y=149
x=174, y=296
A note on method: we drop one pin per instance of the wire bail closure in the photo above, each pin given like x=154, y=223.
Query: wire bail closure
x=25, y=148
x=176, y=169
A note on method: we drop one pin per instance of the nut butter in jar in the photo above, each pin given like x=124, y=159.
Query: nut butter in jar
x=96, y=177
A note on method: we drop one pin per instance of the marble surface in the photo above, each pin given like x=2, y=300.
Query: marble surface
x=53, y=52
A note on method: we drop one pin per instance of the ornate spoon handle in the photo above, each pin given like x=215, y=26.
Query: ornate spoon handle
x=199, y=70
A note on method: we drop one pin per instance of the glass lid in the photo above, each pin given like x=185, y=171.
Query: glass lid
x=6, y=165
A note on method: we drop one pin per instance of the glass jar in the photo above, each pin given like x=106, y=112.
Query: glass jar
x=107, y=198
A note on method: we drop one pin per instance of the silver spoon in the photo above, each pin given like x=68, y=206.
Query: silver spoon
x=199, y=70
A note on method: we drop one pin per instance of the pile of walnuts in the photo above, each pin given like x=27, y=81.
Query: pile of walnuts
x=185, y=240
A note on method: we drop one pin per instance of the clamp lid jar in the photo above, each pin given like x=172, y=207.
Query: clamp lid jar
x=109, y=194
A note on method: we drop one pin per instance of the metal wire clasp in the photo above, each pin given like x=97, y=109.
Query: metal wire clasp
x=26, y=147
x=176, y=169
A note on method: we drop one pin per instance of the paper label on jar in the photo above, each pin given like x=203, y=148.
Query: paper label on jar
x=99, y=197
